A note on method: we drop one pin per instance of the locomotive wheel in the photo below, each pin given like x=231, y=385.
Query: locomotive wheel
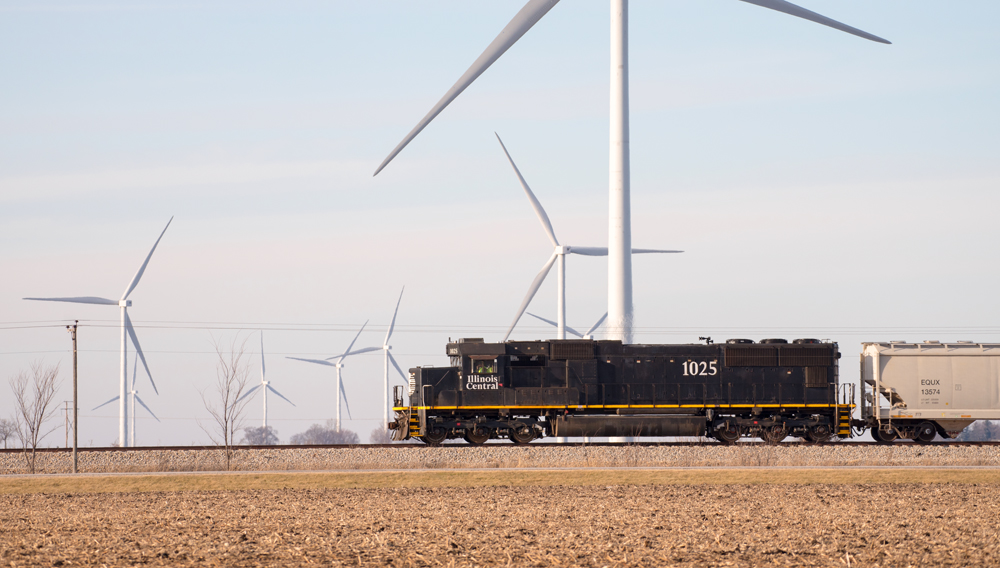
x=477, y=436
x=728, y=435
x=883, y=437
x=926, y=432
x=773, y=434
x=435, y=437
x=521, y=434
x=818, y=433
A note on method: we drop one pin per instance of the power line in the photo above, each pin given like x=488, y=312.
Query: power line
x=435, y=328
x=146, y=351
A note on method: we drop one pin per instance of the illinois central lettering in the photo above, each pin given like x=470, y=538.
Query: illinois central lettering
x=482, y=382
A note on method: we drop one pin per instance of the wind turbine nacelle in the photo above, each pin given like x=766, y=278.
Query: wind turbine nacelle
x=124, y=303
x=562, y=250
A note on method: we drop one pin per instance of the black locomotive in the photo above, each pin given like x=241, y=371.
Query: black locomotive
x=523, y=390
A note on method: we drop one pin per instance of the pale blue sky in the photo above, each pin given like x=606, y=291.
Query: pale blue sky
x=820, y=184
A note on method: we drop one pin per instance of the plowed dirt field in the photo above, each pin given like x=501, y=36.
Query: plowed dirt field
x=683, y=525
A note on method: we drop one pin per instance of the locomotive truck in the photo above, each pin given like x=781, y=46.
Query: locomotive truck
x=523, y=390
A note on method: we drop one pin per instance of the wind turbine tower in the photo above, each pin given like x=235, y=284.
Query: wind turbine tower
x=264, y=385
x=389, y=359
x=126, y=330
x=133, y=398
x=620, y=315
x=338, y=365
x=558, y=256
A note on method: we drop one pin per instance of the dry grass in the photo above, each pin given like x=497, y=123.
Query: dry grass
x=537, y=524
x=486, y=478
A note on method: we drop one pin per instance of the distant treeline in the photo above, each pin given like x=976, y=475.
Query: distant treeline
x=317, y=434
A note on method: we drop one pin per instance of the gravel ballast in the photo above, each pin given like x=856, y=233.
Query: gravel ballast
x=364, y=457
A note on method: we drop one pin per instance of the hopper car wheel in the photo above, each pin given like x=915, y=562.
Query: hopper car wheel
x=477, y=436
x=521, y=434
x=926, y=432
x=883, y=437
x=728, y=434
x=773, y=434
x=435, y=436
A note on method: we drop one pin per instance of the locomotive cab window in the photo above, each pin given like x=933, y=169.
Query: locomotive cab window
x=527, y=360
x=484, y=366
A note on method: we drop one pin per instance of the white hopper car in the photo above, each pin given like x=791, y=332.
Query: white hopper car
x=917, y=390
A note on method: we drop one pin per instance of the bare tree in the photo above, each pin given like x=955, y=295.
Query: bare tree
x=8, y=429
x=232, y=373
x=34, y=393
x=380, y=436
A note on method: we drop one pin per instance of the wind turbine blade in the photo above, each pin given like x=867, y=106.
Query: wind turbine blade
x=106, y=403
x=396, y=365
x=347, y=405
x=248, y=393
x=138, y=350
x=589, y=251
x=392, y=324
x=535, y=284
x=139, y=400
x=270, y=388
x=800, y=12
x=548, y=321
x=527, y=17
x=554, y=324
x=78, y=300
x=591, y=331
x=539, y=210
x=317, y=361
x=603, y=251
x=262, y=355
x=358, y=352
x=138, y=274
x=348, y=350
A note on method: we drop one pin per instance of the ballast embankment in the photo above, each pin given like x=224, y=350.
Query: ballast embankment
x=363, y=457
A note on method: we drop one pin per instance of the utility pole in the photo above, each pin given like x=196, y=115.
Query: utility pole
x=76, y=405
x=66, y=421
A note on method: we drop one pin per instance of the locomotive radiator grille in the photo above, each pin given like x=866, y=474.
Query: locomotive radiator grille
x=805, y=357
x=751, y=357
x=570, y=350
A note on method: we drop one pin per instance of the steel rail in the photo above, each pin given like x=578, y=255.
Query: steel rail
x=462, y=444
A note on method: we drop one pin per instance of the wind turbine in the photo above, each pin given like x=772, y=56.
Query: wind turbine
x=339, y=364
x=588, y=335
x=558, y=255
x=264, y=384
x=388, y=358
x=126, y=326
x=619, y=210
x=134, y=397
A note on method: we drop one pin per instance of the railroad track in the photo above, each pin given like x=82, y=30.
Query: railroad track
x=420, y=446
